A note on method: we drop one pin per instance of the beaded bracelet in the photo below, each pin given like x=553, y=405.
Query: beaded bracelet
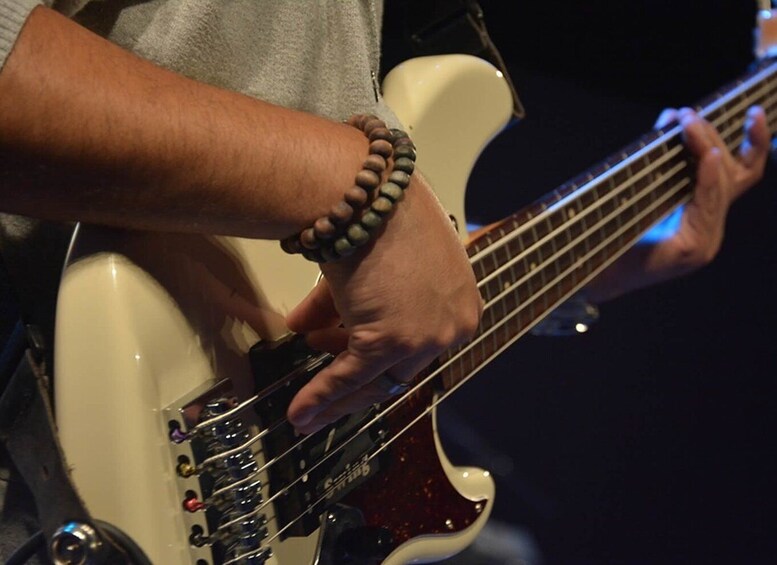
x=337, y=234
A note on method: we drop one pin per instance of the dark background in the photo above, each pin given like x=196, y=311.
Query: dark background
x=650, y=438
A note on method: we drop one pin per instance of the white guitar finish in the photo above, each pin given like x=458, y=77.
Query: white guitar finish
x=145, y=319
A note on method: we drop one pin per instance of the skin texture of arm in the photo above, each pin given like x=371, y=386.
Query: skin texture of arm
x=92, y=133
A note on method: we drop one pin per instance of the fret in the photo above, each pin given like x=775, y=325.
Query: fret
x=572, y=230
x=536, y=280
x=715, y=115
x=527, y=263
x=505, y=281
x=770, y=103
x=580, y=228
x=550, y=271
x=765, y=97
x=515, y=251
x=541, y=228
x=761, y=95
x=496, y=282
x=480, y=270
x=588, y=199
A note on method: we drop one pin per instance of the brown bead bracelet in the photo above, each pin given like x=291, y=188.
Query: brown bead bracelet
x=337, y=234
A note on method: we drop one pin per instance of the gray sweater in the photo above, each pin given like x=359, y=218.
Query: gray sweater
x=313, y=55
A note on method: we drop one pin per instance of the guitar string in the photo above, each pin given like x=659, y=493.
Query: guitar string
x=384, y=446
x=380, y=415
x=439, y=399
x=499, y=242
x=194, y=430
x=400, y=400
x=580, y=217
x=317, y=360
x=431, y=376
x=426, y=380
x=737, y=109
x=488, y=306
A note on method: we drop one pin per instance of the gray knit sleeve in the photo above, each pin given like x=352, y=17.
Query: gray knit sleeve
x=13, y=14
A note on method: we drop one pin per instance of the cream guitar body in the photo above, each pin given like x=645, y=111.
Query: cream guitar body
x=153, y=336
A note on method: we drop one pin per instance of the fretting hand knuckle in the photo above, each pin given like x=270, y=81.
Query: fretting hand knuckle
x=345, y=383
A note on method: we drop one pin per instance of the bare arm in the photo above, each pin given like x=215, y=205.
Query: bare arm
x=89, y=131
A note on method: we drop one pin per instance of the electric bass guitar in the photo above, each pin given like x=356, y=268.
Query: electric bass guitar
x=174, y=366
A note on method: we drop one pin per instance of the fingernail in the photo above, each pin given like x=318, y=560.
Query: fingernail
x=301, y=419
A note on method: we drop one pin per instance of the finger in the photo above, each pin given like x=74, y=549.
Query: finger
x=701, y=227
x=331, y=340
x=316, y=311
x=700, y=137
x=757, y=138
x=355, y=399
x=754, y=150
x=372, y=393
x=666, y=117
x=695, y=133
x=707, y=211
x=346, y=375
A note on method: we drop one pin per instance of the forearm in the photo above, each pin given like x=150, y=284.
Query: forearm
x=93, y=133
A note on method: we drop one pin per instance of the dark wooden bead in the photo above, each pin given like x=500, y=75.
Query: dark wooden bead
x=375, y=163
x=380, y=133
x=404, y=151
x=381, y=147
x=291, y=245
x=382, y=205
x=404, y=164
x=397, y=134
x=343, y=247
x=324, y=228
x=308, y=239
x=391, y=190
x=372, y=124
x=329, y=254
x=404, y=142
x=371, y=220
x=341, y=213
x=357, y=235
x=368, y=180
x=400, y=178
x=356, y=120
x=356, y=196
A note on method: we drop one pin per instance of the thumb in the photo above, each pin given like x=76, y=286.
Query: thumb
x=316, y=311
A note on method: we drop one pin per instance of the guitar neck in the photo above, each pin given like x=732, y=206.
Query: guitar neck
x=534, y=260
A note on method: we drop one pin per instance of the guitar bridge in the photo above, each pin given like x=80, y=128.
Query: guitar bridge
x=246, y=480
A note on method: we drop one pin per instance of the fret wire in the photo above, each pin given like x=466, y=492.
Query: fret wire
x=596, y=228
x=603, y=206
x=429, y=378
x=415, y=420
x=393, y=406
x=722, y=108
x=506, y=259
x=447, y=393
x=541, y=254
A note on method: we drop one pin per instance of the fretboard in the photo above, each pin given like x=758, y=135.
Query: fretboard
x=534, y=260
